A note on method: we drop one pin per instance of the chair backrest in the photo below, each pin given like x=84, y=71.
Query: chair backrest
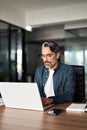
x=80, y=83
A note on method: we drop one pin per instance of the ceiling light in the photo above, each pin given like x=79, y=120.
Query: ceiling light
x=28, y=28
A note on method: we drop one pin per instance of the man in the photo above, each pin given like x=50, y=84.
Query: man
x=56, y=80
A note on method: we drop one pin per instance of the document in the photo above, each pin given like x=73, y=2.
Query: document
x=77, y=107
x=1, y=102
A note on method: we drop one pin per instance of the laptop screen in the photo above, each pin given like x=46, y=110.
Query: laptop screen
x=21, y=95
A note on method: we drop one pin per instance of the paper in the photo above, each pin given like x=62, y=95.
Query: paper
x=77, y=107
x=1, y=102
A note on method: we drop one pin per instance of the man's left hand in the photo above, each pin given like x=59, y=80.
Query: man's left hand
x=46, y=101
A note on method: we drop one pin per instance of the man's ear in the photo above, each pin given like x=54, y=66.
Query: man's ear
x=58, y=55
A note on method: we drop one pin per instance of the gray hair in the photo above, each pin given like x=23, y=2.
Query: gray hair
x=52, y=45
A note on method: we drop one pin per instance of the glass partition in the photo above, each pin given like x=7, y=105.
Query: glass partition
x=16, y=53
x=4, y=52
x=76, y=48
x=12, y=53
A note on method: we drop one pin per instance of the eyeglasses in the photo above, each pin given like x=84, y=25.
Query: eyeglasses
x=48, y=56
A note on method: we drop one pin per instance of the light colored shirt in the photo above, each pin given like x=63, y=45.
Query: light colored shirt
x=49, y=89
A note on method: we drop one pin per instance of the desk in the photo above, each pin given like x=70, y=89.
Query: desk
x=18, y=119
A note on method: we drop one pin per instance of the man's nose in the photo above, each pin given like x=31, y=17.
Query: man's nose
x=45, y=58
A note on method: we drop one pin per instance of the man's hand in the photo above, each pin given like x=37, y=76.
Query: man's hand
x=46, y=101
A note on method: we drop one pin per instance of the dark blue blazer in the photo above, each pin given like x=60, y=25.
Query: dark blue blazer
x=63, y=82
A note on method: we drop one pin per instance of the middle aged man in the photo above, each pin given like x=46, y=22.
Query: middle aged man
x=55, y=80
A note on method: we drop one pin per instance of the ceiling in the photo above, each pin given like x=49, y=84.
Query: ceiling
x=31, y=5
x=29, y=11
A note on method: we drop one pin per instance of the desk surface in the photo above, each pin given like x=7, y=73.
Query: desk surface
x=18, y=119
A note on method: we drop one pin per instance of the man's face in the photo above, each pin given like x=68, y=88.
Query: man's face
x=50, y=59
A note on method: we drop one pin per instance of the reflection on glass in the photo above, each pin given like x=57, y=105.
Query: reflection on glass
x=74, y=57
x=86, y=61
x=12, y=41
x=19, y=63
x=16, y=54
x=4, y=53
x=76, y=49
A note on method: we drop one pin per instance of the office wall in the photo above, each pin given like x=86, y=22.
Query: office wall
x=47, y=32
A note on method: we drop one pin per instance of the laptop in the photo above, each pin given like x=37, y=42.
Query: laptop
x=22, y=95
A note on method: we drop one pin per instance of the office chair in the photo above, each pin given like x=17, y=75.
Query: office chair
x=80, y=83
